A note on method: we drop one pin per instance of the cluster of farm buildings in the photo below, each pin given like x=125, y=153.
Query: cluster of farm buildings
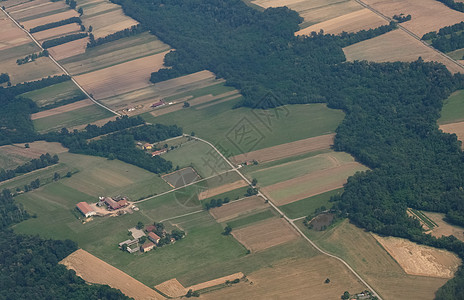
x=132, y=246
x=112, y=204
x=148, y=147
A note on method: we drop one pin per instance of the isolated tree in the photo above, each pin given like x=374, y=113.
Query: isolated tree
x=69, y=174
x=90, y=28
x=227, y=230
x=80, y=11
x=26, y=146
x=327, y=280
x=139, y=225
x=186, y=104
x=345, y=295
x=254, y=182
x=56, y=176
x=124, y=247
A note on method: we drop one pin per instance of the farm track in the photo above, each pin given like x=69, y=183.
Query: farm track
x=58, y=64
x=410, y=33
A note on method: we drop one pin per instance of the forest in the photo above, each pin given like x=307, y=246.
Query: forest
x=391, y=108
x=43, y=161
x=448, y=38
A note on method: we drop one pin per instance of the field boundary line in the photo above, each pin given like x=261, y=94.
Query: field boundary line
x=291, y=222
x=410, y=33
x=58, y=64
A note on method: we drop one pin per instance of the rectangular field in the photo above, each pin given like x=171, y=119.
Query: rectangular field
x=54, y=93
x=61, y=109
x=307, y=206
x=57, y=32
x=108, y=22
x=35, y=70
x=10, y=34
x=238, y=208
x=12, y=156
x=121, y=78
x=34, y=11
x=50, y=19
x=182, y=177
x=69, y=49
x=211, y=192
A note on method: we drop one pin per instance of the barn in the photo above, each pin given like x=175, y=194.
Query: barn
x=86, y=209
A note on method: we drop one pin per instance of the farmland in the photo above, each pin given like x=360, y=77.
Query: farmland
x=444, y=228
x=238, y=209
x=304, y=207
x=12, y=156
x=373, y=263
x=54, y=93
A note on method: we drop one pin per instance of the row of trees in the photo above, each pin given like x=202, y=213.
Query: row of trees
x=64, y=39
x=32, y=57
x=56, y=24
x=216, y=203
x=136, y=29
x=43, y=161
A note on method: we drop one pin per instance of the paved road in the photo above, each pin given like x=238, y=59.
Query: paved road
x=60, y=66
x=409, y=32
x=292, y=221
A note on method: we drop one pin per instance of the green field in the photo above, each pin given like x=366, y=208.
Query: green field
x=54, y=93
x=456, y=54
x=250, y=219
x=222, y=125
x=198, y=155
x=307, y=206
x=80, y=116
x=18, y=51
x=453, y=108
x=274, y=174
x=113, y=53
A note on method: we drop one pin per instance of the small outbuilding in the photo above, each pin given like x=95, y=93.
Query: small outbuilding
x=86, y=209
x=147, y=247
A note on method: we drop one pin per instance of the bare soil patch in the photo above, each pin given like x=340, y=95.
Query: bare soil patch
x=396, y=45
x=293, y=279
x=427, y=15
x=61, y=109
x=121, y=78
x=50, y=19
x=221, y=189
x=235, y=209
x=444, y=228
x=69, y=49
x=10, y=34
x=94, y=270
x=286, y=150
x=456, y=128
x=216, y=281
x=353, y=22
x=420, y=260
x=172, y=288
x=56, y=32
x=266, y=234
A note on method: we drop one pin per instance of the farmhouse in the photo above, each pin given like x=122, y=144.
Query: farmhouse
x=153, y=237
x=147, y=146
x=158, y=104
x=159, y=152
x=150, y=228
x=113, y=205
x=85, y=209
x=147, y=247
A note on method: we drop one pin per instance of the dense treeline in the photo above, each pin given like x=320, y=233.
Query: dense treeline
x=10, y=212
x=447, y=44
x=459, y=6
x=43, y=161
x=56, y=24
x=136, y=29
x=32, y=57
x=391, y=108
x=4, y=77
x=64, y=39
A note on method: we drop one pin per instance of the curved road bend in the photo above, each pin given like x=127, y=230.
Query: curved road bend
x=60, y=66
x=291, y=221
x=409, y=32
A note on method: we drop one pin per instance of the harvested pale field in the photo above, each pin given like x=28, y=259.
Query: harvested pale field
x=356, y=21
x=444, y=228
x=265, y=234
x=236, y=209
x=12, y=156
x=98, y=123
x=172, y=288
x=221, y=189
x=121, y=78
x=293, y=279
x=18, y=51
x=13, y=3
x=69, y=49
x=108, y=23
x=61, y=109
x=420, y=260
x=56, y=32
x=94, y=270
x=396, y=45
x=37, y=9
x=286, y=150
x=314, y=11
x=38, y=69
x=217, y=281
x=50, y=19
x=456, y=128
x=24, y=5
x=427, y=15
x=10, y=34
x=311, y=184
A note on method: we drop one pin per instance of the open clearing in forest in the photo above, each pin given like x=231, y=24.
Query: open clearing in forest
x=94, y=270
x=363, y=19
x=444, y=228
x=50, y=19
x=12, y=156
x=456, y=128
x=286, y=150
x=293, y=279
x=238, y=208
x=265, y=234
x=222, y=189
x=427, y=15
x=396, y=45
x=61, y=109
x=69, y=49
x=10, y=34
x=311, y=184
x=314, y=11
x=172, y=288
x=420, y=260
x=362, y=251
x=453, y=108
x=121, y=78
x=56, y=32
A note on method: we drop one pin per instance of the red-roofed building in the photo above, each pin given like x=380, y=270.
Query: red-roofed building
x=158, y=104
x=153, y=237
x=86, y=209
x=113, y=205
x=150, y=228
x=147, y=247
x=159, y=152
